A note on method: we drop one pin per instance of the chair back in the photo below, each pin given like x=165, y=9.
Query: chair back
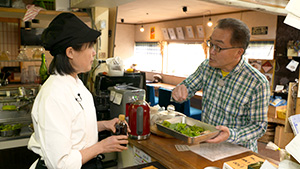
x=150, y=95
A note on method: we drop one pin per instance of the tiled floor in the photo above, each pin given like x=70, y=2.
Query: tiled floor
x=267, y=152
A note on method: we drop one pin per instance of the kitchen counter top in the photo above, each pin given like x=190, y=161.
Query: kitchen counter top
x=163, y=150
x=27, y=85
x=14, y=143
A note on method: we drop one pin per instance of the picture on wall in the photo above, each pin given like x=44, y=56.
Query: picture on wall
x=190, y=32
x=152, y=33
x=256, y=64
x=266, y=67
x=172, y=33
x=201, y=32
x=165, y=33
x=179, y=32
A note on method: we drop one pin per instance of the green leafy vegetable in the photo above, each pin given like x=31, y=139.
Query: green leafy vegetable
x=190, y=131
x=9, y=127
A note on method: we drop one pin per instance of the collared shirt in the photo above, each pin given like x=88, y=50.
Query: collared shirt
x=239, y=100
x=64, y=122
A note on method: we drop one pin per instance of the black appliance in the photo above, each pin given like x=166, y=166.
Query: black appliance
x=31, y=37
x=101, y=100
x=102, y=94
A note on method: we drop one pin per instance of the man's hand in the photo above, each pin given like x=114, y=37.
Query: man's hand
x=180, y=93
x=222, y=136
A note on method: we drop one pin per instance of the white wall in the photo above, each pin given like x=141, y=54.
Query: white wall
x=124, y=43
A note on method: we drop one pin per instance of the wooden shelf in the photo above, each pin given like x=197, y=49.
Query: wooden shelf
x=43, y=14
x=276, y=120
x=31, y=60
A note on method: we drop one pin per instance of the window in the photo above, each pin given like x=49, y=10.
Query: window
x=260, y=50
x=183, y=59
x=179, y=59
x=147, y=56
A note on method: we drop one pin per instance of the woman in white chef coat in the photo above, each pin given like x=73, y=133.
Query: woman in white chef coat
x=64, y=117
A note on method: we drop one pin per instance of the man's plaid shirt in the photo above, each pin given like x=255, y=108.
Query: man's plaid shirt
x=241, y=103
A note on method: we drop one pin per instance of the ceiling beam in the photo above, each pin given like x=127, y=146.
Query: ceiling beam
x=262, y=6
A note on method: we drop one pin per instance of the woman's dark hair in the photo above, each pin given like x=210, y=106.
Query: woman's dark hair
x=240, y=31
x=61, y=63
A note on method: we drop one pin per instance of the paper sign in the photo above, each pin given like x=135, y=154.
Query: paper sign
x=292, y=66
x=140, y=157
x=112, y=95
x=242, y=163
x=190, y=31
x=279, y=88
x=180, y=33
x=172, y=33
x=165, y=33
x=118, y=98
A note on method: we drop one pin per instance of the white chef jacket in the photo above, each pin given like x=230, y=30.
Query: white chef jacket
x=64, y=120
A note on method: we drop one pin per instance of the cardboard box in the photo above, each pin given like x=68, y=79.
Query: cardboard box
x=282, y=138
x=292, y=52
x=274, y=111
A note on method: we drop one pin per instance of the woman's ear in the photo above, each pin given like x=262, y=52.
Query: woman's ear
x=70, y=52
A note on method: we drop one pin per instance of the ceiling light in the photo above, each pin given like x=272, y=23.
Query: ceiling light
x=209, y=23
x=142, y=29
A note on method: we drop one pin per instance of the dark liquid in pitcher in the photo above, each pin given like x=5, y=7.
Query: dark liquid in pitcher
x=121, y=129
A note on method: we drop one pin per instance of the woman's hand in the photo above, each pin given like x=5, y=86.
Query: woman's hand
x=107, y=145
x=180, y=93
x=113, y=144
x=110, y=125
x=222, y=136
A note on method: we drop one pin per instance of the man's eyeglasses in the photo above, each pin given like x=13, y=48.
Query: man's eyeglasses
x=218, y=48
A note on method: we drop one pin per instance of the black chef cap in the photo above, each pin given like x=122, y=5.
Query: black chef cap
x=66, y=30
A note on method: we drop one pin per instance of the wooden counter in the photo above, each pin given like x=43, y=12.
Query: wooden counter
x=163, y=150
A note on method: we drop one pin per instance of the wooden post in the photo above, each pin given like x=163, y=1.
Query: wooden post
x=290, y=105
x=298, y=99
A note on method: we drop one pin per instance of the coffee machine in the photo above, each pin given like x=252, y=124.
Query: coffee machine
x=102, y=102
x=102, y=94
x=121, y=96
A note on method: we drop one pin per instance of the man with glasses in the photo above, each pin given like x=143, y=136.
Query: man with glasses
x=235, y=94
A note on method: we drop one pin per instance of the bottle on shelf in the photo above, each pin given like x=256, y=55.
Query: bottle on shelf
x=121, y=127
x=43, y=70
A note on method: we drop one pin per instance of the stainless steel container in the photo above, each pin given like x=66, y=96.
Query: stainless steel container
x=189, y=121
